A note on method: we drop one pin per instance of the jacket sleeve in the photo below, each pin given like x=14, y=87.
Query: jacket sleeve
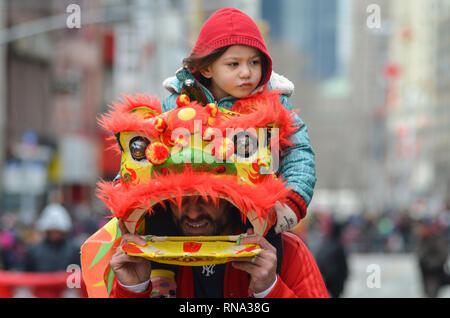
x=169, y=102
x=300, y=277
x=298, y=165
x=118, y=291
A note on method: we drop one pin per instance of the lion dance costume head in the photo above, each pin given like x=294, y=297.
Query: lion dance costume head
x=192, y=150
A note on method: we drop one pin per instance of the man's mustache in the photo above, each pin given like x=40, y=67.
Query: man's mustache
x=197, y=219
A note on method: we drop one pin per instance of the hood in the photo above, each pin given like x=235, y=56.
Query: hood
x=54, y=217
x=229, y=26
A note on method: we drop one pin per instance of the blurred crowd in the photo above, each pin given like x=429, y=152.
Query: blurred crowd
x=426, y=235
x=49, y=244
x=388, y=232
x=53, y=241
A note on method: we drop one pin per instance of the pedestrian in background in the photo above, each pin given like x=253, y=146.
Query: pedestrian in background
x=57, y=250
x=432, y=256
x=12, y=245
x=332, y=261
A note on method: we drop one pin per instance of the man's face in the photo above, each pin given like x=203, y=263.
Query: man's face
x=198, y=217
x=55, y=235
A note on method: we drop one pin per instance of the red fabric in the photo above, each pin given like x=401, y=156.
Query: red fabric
x=118, y=291
x=39, y=284
x=296, y=203
x=229, y=26
x=299, y=278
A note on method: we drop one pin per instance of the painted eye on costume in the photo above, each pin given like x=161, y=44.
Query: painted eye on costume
x=245, y=145
x=138, y=145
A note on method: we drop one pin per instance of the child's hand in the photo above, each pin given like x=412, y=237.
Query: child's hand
x=286, y=218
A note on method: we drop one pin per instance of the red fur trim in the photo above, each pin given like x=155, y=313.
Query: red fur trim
x=114, y=146
x=119, y=118
x=256, y=112
x=259, y=111
x=127, y=122
x=129, y=102
x=123, y=199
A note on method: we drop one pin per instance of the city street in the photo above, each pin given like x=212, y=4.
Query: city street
x=399, y=277
x=337, y=122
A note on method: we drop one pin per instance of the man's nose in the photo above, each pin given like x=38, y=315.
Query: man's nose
x=191, y=209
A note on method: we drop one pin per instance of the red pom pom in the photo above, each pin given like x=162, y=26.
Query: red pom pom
x=213, y=109
x=160, y=125
x=157, y=153
x=183, y=100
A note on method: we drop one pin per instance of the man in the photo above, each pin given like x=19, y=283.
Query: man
x=57, y=250
x=243, y=277
x=183, y=173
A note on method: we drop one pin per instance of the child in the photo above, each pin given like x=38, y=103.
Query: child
x=230, y=61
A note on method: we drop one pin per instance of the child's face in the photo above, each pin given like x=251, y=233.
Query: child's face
x=237, y=72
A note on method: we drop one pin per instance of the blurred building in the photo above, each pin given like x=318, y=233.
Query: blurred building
x=441, y=147
x=150, y=45
x=418, y=112
x=54, y=91
x=59, y=78
x=375, y=98
x=312, y=27
x=340, y=86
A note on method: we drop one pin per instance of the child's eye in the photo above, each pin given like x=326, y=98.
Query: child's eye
x=256, y=62
x=234, y=64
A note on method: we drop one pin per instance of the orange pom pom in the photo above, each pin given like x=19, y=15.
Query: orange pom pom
x=183, y=100
x=157, y=153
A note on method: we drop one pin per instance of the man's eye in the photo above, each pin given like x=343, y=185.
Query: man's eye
x=138, y=145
